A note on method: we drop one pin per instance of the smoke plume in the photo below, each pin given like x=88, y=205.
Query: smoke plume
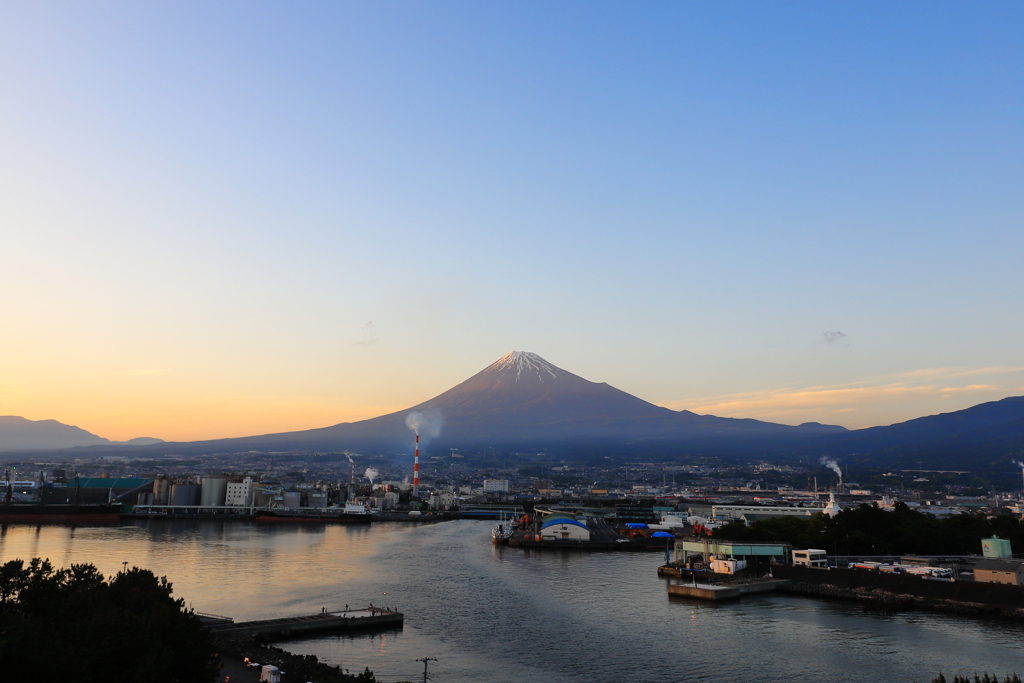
x=833, y=337
x=371, y=474
x=1018, y=463
x=426, y=424
x=832, y=465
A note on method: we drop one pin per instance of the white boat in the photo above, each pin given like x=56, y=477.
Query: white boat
x=502, y=531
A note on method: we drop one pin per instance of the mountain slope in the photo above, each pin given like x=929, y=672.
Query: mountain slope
x=984, y=436
x=19, y=434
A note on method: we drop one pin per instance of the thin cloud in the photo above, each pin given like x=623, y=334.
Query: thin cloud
x=833, y=400
x=833, y=337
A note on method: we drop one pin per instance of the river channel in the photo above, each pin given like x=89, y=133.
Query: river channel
x=506, y=614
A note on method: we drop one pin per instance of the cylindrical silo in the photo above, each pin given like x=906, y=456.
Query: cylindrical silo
x=292, y=499
x=214, y=490
x=184, y=494
x=161, y=490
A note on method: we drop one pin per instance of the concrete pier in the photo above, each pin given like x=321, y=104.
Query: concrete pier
x=369, y=618
x=723, y=592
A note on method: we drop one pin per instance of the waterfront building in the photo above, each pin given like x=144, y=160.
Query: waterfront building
x=1000, y=571
x=442, y=500
x=709, y=548
x=239, y=493
x=561, y=528
x=810, y=558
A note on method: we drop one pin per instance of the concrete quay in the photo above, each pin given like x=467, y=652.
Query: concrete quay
x=723, y=592
x=359, y=619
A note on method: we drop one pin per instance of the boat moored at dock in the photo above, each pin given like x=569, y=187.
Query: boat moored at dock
x=503, y=530
x=22, y=513
x=349, y=514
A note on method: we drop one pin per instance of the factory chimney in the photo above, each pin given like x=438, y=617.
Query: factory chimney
x=416, y=469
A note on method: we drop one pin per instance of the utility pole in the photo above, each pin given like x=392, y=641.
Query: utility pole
x=425, y=660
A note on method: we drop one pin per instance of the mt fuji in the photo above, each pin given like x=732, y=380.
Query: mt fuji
x=521, y=399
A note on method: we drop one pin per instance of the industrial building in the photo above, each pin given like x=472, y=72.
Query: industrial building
x=752, y=513
x=998, y=565
x=100, y=490
x=708, y=549
x=810, y=558
x=1000, y=571
x=239, y=493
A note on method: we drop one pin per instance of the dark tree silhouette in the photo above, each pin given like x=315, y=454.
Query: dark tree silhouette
x=75, y=625
x=870, y=530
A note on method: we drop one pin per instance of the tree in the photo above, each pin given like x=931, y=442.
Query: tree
x=73, y=624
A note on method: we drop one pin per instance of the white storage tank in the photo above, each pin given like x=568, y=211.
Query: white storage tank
x=184, y=494
x=292, y=499
x=214, y=490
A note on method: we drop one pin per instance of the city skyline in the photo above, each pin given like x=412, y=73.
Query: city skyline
x=222, y=221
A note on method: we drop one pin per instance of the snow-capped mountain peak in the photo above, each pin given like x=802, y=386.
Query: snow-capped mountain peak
x=525, y=363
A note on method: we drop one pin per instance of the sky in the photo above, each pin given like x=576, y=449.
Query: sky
x=222, y=219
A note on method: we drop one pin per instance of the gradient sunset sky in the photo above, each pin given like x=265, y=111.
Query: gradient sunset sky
x=222, y=219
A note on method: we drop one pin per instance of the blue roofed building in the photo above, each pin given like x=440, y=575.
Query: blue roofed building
x=563, y=528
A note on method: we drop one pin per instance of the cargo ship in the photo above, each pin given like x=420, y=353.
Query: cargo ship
x=350, y=514
x=33, y=513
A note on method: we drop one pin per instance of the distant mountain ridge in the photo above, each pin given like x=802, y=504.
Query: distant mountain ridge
x=983, y=437
x=20, y=434
x=522, y=401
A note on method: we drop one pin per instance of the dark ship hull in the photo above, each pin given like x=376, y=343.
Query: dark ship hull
x=27, y=513
x=313, y=516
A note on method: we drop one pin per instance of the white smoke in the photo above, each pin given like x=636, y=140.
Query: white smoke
x=1018, y=463
x=371, y=474
x=349, y=456
x=834, y=466
x=426, y=425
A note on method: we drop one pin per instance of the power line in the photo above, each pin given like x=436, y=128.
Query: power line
x=425, y=660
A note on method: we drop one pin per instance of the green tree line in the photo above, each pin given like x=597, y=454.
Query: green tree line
x=870, y=530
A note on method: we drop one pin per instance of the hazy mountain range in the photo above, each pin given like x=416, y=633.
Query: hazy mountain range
x=19, y=434
x=524, y=402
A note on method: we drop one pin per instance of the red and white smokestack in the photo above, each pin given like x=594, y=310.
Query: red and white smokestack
x=416, y=470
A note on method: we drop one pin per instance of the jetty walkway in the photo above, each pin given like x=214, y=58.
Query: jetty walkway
x=357, y=619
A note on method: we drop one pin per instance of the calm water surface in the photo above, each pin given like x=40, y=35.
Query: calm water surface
x=505, y=614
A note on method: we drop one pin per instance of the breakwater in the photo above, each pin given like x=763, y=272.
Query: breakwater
x=360, y=619
x=891, y=593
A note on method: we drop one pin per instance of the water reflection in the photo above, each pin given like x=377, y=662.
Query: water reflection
x=502, y=614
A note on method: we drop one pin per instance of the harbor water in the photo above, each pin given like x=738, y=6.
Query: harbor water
x=493, y=613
